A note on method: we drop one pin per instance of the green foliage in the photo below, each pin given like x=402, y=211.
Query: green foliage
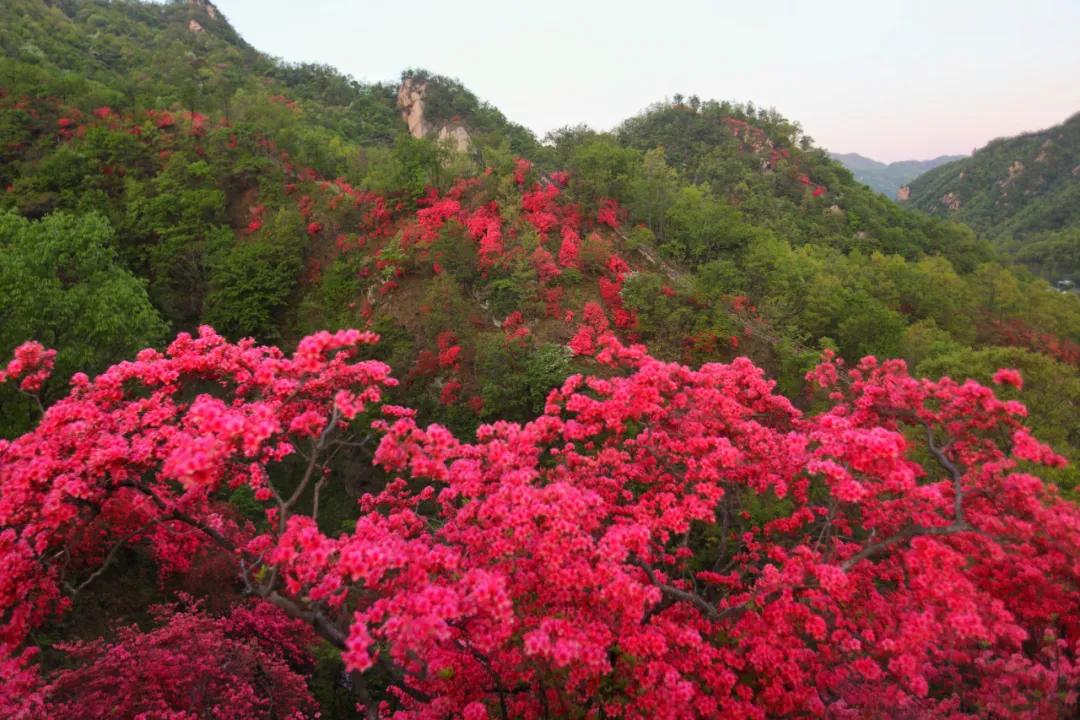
x=654, y=191
x=331, y=304
x=754, y=158
x=505, y=295
x=409, y=167
x=870, y=328
x=516, y=380
x=61, y=284
x=252, y=280
x=457, y=255
x=601, y=168
x=700, y=228
x=1022, y=192
x=172, y=222
x=1054, y=255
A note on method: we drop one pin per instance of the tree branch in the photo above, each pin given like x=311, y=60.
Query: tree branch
x=316, y=449
x=675, y=594
x=74, y=590
x=313, y=616
x=957, y=476
x=902, y=536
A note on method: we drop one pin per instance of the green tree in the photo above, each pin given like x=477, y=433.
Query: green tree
x=700, y=228
x=870, y=328
x=61, y=284
x=654, y=191
x=517, y=379
x=252, y=280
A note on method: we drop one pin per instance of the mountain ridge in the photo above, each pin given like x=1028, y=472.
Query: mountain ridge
x=159, y=177
x=1022, y=192
x=889, y=178
x=271, y=199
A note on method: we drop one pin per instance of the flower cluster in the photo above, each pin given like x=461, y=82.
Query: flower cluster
x=31, y=365
x=145, y=450
x=667, y=542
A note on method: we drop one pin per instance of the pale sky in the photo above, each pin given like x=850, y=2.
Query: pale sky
x=890, y=79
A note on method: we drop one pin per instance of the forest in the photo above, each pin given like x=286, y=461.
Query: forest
x=1020, y=192
x=305, y=415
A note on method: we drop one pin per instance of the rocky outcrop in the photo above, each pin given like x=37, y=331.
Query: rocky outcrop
x=194, y=26
x=457, y=135
x=1016, y=169
x=206, y=5
x=903, y=193
x=410, y=100
x=951, y=201
x=1044, y=151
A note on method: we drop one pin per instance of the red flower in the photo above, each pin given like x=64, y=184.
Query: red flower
x=609, y=213
x=1009, y=376
x=521, y=169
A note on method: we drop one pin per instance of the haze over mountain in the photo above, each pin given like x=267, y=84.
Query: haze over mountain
x=888, y=178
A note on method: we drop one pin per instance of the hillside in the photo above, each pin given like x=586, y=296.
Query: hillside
x=888, y=178
x=160, y=175
x=1021, y=192
x=279, y=199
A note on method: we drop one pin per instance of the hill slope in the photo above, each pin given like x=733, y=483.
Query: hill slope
x=888, y=178
x=1023, y=192
x=158, y=174
x=271, y=200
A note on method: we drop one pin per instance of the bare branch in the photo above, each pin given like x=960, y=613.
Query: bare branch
x=902, y=536
x=675, y=594
x=74, y=590
x=326, y=627
x=317, y=448
x=957, y=475
x=315, y=498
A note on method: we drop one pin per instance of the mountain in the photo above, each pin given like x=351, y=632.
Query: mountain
x=887, y=179
x=1022, y=192
x=271, y=199
x=158, y=174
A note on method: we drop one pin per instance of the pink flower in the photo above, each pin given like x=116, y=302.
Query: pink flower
x=1009, y=376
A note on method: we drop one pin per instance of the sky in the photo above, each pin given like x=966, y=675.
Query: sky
x=892, y=80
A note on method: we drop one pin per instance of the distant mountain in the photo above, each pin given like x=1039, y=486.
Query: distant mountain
x=1022, y=192
x=887, y=179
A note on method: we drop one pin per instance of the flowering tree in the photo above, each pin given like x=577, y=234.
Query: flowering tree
x=145, y=453
x=662, y=542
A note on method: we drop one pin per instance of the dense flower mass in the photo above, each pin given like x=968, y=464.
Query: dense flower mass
x=659, y=542
x=143, y=451
x=249, y=664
